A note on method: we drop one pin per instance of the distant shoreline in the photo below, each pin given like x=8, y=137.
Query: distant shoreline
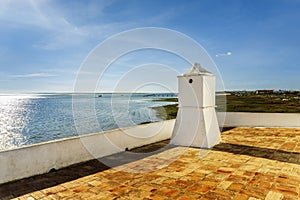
x=242, y=102
x=99, y=92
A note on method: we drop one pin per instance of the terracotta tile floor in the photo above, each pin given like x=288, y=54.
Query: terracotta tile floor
x=250, y=163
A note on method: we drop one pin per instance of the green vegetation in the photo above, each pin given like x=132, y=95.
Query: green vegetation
x=244, y=102
x=167, y=99
x=167, y=112
x=263, y=103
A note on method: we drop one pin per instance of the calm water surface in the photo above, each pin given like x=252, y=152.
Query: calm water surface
x=30, y=119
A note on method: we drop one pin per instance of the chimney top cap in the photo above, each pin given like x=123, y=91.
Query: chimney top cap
x=197, y=70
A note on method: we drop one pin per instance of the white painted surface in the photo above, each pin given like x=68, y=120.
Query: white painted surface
x=196, y=70
x=199, y=93
x=236, y=119
x=41, y=158
x=196, y=123
x=200, y=129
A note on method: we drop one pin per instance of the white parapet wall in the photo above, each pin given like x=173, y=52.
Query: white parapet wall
x=41, y=158
x=247, y=119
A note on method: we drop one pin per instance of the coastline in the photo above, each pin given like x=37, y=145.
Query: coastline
x=240, y=102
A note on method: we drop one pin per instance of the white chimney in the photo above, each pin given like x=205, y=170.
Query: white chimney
x=196, y=122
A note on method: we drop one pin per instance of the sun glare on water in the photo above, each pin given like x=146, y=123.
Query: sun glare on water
x=14, y=115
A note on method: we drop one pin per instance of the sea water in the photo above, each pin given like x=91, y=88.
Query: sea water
x=31, y=119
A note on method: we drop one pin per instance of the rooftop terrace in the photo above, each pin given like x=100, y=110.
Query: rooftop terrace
x=250, y=163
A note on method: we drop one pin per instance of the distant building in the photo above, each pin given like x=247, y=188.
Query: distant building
x=264, y=91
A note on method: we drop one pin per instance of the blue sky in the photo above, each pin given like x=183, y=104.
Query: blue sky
x=43, y=43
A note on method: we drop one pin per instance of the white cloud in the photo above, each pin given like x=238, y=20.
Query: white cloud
x=50, y=17
x=66, y=25
x=17, y=14
x=34, y=75
x=224, y=54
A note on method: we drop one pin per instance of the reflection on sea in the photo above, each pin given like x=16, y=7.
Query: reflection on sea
x=14, y=116
x=31, y=119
